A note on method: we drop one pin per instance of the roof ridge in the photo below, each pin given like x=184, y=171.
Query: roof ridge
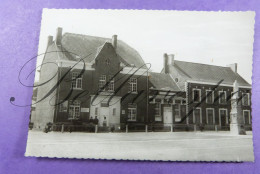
x=76, y=34
x=202, y=64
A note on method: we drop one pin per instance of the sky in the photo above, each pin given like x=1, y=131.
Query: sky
x=216, y=38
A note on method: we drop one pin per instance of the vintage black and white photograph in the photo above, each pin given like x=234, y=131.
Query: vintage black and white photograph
x=143, y=85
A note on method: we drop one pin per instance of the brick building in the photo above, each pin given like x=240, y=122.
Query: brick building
x=85, y=77
x=208, y=90
x=112, y=83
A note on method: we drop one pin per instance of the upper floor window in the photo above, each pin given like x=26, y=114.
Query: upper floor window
x=111, y=84
x=222, y=97
x=107, y=62
x=209, y=96
x=246, y=99
x=76, y=81
x=132, y=110
x=196, y=95
x=132, y=85
x=102, y=82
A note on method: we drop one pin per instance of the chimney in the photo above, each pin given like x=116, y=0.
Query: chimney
x=50, y=40
x=114, y=41
x=166, y=63
x=233, y=67
x=58, y=36
x=171, y=59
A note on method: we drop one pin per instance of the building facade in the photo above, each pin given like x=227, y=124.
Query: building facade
x=85, y=78
x=209, y=90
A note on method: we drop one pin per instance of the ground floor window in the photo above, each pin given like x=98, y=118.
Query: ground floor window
x=158, y=115
x=246, y=115
x=210, y=113
x=74, y=109
x=63, y=106
x=223, y=116
x=177, y=112
x=197, y=119
x=132, y=110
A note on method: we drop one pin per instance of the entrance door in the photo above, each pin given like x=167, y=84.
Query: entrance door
x=104, y=116
x=167, y=115
x=223, y=117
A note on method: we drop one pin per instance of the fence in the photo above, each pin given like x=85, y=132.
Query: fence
x=151, y=127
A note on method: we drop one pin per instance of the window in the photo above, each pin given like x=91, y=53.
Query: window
x=210, y=116
x=102, y=82
x=196, y=95
x=177, y=112
x=63, y=106
x=158, y=116
x=247, y=117
x=114, y=111
x=96, y=111
x=111, y=84
x=245, y=99
x=76, y=81
x=132, y=85
x=223, y=117
x=74, y=109
x=107, y=62
x=222, y=97
x=209, y=96
x=197, y=116
x=132, y=112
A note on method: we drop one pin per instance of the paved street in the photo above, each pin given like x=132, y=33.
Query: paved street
x=180, y=146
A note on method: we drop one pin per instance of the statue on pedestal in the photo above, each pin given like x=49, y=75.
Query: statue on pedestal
x=237, y=123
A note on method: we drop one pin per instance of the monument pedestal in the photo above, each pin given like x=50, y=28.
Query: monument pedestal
x=236, y=115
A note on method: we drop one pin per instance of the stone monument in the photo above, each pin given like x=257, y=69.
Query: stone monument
x=237, y=123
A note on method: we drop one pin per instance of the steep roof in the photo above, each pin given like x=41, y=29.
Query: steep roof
x=87, y=47
x=163, y=82
x=208, y=73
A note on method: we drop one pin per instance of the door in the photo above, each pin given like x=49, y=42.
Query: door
x=197, y=116
x=104, y=116
x=167, y=115
x=223, y=117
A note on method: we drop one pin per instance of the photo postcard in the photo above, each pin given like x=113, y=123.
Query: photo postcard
x=143, y=85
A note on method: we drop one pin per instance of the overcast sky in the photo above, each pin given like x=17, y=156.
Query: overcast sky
x=217, y=38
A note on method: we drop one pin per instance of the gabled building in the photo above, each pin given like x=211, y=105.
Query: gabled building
x=88, y=77
x=208, y=92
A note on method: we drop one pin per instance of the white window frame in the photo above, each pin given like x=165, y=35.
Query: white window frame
x=195, y=89
x=248, y=115
x=75, y=105
x=219, y=99
x=212, y=96
x=227, y=121
x=76, y=82
x=133, y=85
x=132, y=115
x=102, y=82
x=111, y=85
x=207, y=116
x=194, y=115
x=248, y=97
